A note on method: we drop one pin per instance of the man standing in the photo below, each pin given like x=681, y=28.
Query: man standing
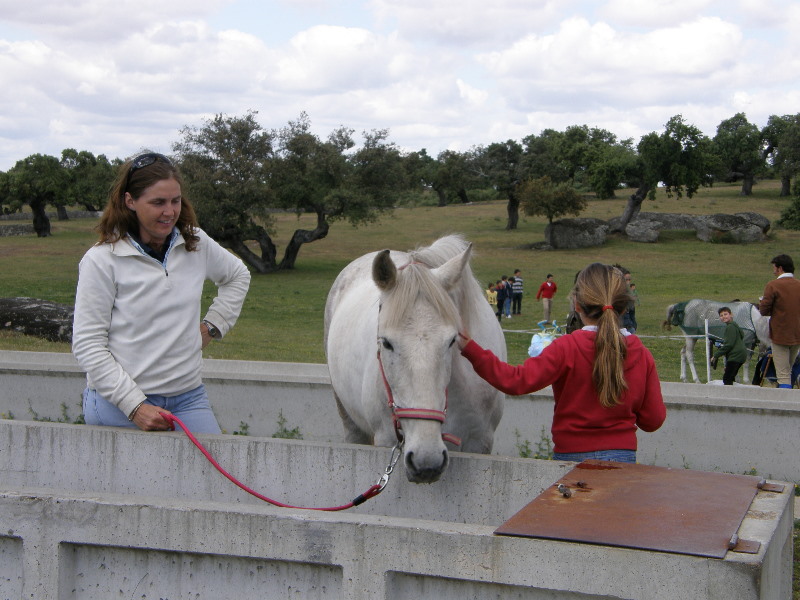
x=516, y=293
x=781, y=302
x=546, y=291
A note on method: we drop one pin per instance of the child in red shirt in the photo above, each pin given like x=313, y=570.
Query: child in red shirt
x=604, y=382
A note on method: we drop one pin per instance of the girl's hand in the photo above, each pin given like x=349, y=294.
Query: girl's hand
x=462, y=339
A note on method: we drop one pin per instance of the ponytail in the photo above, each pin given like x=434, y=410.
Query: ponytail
x=603, y=295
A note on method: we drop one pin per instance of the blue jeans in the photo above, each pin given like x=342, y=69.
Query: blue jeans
x=192, y=407
x=626, y=456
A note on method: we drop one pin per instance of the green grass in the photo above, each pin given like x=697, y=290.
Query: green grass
x=282, y=316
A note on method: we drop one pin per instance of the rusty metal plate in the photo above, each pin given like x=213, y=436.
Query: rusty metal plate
x=639, y=506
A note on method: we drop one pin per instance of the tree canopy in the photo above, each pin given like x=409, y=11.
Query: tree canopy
x=239, y=174
x=681, y=158
x=738, y=144
x=226, y=167
x=36, y=181
x=500, y=165
x=88, y=178
x=781, y=148
x=552, y=200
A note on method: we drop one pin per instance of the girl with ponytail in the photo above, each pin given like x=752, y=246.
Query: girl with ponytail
x=605, y=383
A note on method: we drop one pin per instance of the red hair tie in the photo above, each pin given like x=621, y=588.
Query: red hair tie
x=608, y=307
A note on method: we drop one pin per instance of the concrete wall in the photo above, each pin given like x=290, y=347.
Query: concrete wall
x=734, y=429
x=94, y=512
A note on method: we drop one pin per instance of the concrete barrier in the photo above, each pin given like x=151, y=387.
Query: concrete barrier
x=95, y=512
x=733, y=429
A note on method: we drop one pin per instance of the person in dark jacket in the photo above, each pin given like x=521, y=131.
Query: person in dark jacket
x=732, y=347
x=504, y=297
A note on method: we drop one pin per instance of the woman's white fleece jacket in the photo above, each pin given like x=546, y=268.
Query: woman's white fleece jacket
x=136, y=329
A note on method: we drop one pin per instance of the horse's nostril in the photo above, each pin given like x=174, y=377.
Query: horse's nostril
x=409, y=460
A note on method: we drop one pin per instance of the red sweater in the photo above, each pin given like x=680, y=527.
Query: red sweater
x=547, y=289
x=580, y=423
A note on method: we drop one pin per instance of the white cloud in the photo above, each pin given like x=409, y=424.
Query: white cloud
x=338, y=59
x=85, y=21
x=113, y=77
x=467, y=22
x=653, y=13
x=584, y=63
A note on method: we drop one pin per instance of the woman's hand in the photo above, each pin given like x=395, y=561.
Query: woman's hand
x=148, y=418
x=205, y=336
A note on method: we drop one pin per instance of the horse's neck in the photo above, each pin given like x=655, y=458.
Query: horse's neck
x=761, y=325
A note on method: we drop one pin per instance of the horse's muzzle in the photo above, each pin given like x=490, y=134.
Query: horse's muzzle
x=425, y=470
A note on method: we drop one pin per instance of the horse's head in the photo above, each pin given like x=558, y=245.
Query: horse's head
x=417, y=328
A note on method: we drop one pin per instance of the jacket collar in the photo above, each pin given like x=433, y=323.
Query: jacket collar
x=127, y=246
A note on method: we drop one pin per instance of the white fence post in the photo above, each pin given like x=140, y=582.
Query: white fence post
x=708, y=357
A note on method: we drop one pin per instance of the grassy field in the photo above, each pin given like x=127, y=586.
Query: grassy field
x=282, y=316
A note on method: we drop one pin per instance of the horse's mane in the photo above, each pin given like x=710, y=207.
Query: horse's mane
x=415, y=278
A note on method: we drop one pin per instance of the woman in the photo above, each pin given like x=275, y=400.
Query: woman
x=137, y=329
x=604, y=380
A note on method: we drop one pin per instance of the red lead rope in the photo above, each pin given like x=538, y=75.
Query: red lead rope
x=373, y=490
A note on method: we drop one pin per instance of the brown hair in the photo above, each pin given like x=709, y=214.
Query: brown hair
x=602, y=293
x=118, y=220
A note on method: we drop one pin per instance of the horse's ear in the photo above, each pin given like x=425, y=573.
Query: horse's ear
x=384, y=272
x=450, y=272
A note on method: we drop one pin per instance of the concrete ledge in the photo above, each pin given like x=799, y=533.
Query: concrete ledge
x=735, y=429
x=95, y=512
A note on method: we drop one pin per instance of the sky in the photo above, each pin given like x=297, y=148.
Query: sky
x=117, y=76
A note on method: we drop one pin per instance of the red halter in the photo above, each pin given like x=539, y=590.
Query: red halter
x=425, y=414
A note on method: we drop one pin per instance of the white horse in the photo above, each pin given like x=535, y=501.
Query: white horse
x=417, y=387
x=754, y=325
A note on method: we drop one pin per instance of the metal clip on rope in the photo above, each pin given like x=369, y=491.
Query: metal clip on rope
x=397, y=451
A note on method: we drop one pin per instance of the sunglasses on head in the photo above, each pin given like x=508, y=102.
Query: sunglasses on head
x=145, y=160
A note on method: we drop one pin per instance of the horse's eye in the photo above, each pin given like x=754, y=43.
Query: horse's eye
x=386, y=344
x=453, y=341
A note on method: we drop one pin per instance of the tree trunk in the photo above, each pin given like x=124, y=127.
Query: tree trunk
x=747, y=184
x=634, y=206
x=39, y=318
x=41, y=222
x=512, y=208
x=440, y=192
x=303, y=236
x=261, y=264
x=62, y=213
x=462, y=194
x=250, y=258
x=786, y=186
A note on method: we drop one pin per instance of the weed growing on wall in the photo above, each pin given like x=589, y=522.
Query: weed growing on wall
x=64, y=418
x=284, y=432
x=244, y=429
x=544, y=447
